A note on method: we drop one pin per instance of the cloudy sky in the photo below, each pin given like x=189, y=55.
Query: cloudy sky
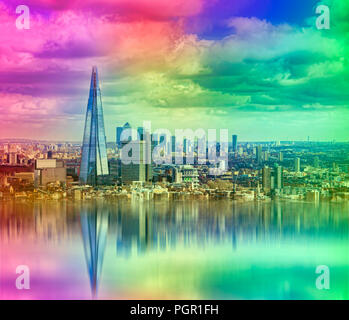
x=259, y=68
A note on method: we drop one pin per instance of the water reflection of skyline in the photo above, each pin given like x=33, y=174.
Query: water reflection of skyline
x=161, y=224
x=134, y=228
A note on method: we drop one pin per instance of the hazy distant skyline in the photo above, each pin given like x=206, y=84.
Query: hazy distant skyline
x=258, y=68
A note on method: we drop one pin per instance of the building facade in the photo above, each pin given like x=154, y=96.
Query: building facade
x=235, y=142
x=133, y=166
x=94, y=161
x=297, y=165
x=266, y=179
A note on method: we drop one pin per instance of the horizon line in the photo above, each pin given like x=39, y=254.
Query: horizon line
x=2, y=140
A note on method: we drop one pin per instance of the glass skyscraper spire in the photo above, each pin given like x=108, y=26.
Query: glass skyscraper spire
x=94, y=161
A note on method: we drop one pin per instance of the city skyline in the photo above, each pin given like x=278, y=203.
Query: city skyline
x=174, y=149
x=262, y=69
x=112, y=141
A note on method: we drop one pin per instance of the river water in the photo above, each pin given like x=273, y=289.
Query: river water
x=165, y=249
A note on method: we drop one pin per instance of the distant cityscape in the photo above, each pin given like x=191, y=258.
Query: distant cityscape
x=296, y=170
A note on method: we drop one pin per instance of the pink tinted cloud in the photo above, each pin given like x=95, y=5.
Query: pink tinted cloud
x=71, y=35
x=26, y=116
x=49, y=63
x=146, y=9
x=71, y=40
x=14, y=104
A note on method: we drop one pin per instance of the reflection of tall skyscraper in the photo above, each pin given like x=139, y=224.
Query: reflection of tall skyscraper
x=94, y=161
x=94, y=226
x=235, y=142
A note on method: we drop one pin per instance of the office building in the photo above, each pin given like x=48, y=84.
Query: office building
x=140, y=133
x=94, y=161
x=235, y=142
x=135, y=166
x=266, y=156
x=259, y=154
x=189, y=175
x=13, y=158
x=119, y=131
x=49, y=171
x=316, y=162
x=279, y=177
x=266, y=179
x=297, y=165
x=148, y=156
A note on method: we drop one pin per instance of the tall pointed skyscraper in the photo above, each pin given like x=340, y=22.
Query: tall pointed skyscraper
x=94, y=161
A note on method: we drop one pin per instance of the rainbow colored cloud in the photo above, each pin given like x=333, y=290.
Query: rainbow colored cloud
x=243, y=65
